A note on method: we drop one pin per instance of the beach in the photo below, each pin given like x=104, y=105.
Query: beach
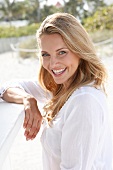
x=26, y=155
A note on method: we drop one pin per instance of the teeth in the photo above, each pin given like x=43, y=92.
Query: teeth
x=58, y=71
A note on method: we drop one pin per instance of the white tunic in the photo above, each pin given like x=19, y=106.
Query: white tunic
x=79, y=137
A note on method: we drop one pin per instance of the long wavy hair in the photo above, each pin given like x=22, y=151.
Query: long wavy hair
x=77, y=40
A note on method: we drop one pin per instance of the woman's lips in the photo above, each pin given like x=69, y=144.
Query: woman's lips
x=59, y=72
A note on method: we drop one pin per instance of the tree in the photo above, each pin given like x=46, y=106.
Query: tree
x=83, y=8
x=34, y=10
x=75, y=7
x=94, y=5
x=48, y=10
x=6, y=7
x=25, y=9
x=100, y=20
x=20, y=10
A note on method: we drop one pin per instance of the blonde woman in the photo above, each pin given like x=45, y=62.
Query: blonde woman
x=71, y=87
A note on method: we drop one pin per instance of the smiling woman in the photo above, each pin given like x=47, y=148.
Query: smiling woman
x=69, y=97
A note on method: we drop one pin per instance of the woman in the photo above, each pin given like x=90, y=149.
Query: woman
x=76, y=133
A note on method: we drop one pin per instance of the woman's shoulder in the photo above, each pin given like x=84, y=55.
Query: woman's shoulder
x=86, y=96
x=85, y=99
x=89, y=91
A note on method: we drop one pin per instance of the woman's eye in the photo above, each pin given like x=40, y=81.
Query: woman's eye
x=45, y=55
x=62, y=52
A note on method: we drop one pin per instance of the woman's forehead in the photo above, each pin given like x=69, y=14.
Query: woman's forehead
x=52, y=41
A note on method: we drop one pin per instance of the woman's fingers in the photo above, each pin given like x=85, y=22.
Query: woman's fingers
x=32, y=130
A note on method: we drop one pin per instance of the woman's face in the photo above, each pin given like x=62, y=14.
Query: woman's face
x=57, y=59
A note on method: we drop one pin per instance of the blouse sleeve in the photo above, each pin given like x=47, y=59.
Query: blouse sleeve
x=31, y=86
x=80, y=134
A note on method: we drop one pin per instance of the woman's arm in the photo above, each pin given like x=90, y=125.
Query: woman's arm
x=33, y=118
x=15, y=95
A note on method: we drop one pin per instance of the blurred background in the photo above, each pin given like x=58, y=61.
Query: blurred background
x=19, y=20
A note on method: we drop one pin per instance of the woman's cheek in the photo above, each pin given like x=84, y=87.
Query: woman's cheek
x=45, y=64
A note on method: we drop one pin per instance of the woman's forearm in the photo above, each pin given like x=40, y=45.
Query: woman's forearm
x=15, y=95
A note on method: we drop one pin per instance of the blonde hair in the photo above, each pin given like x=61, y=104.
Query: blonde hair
x=90, y=69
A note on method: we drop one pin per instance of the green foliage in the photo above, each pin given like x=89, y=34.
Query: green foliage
x=6, y=32
x=75, y=7
x=7, y=8
x=83, y=8
x=19, y=10
x=48, y=10
x=32, y=10
x=102, y=19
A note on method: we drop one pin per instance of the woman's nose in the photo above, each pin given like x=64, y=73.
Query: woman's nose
x=53, y=61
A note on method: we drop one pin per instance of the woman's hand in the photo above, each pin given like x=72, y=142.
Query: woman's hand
x=33, y=118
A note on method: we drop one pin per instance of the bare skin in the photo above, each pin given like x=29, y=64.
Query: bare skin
x=33, y=118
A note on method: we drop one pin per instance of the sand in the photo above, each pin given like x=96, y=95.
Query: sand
x=26, y=155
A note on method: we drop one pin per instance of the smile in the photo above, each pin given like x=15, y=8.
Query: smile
x=58, y=72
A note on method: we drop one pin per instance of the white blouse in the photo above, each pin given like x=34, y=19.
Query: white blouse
x=79, y=137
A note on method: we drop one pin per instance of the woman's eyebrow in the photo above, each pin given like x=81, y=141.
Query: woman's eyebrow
x=61, y=48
